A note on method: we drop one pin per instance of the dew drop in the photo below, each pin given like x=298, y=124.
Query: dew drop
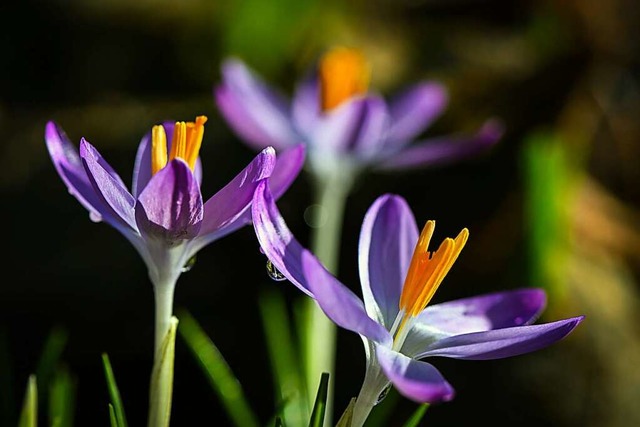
x=189, y=264
x=383, y=394
x=274, y=273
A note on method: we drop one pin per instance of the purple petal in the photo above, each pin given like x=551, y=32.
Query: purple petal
x=142, y=166
x=276, y=240
x=500, y=343
x=414, y=110
x=108, y=184
x=228, y=205
x=341, y=305
x=476, y=314
x=443, y=150
x=305, y=108
x=67, y=162
x=373, y=128
x=170, y=206
x=338, y=129
x=288, y=165
x=387, y=238
x=416, y=380
x=485, y=312
x=254, y=111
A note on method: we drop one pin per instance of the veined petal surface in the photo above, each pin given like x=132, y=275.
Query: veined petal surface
x=500, y=343
x=276, y=240
x=230, y=203
x=108, y=184
x=170, y=206
x=414, y=379
x=387, y=238
x=339, y=303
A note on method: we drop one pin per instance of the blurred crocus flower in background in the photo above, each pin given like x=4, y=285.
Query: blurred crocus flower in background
x=399, y=276
x=346, y=126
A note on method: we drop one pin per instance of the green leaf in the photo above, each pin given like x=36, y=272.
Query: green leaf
x=62, y=398
x=29, y=414
x=49, y=359
x=218, y=372
x=320, y=405
x=112, y=416
x=288, y=379
x=114, y=393
x=161, y=389
x=417, y=416
x=347, y=415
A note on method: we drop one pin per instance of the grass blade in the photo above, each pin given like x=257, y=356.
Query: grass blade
x=29, y=414
x=320, y=405
x=62, y=397
x=114, y=393
x=288, y=378
x=218, y=372
x=112, y=416
x=417, y=416
x=49, y=359
x=347, y=415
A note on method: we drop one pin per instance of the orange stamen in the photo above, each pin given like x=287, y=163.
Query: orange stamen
x=158, y=149
x=344, y=73
x=185, y=143
x=427, y=270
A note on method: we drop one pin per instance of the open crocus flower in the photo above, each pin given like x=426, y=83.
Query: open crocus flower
x=399, y=276
x=164, y=216
x=344, y=124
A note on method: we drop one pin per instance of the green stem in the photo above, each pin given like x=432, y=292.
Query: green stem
x=161, y=388
x=320, y=332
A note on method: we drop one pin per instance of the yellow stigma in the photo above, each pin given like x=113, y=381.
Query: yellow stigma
x=344, y=73
x=185, y=143
x=428, y=269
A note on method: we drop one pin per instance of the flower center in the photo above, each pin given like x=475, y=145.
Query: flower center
x=185, y=143
x=344, y=73
x=426, y=272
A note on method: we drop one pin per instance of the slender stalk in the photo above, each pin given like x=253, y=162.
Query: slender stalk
x=161, y=385
x=164, y=310
x=319, y=339
x=373, y=385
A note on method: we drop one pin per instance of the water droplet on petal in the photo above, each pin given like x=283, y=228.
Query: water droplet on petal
x=383, y=394
x=189, y=264
x=274, y=273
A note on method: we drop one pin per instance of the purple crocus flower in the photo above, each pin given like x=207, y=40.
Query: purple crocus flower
x=399, y=276
x=164, y=215
x=345, y=125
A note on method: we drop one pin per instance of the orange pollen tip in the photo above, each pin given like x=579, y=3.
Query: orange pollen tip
x=185, y=143
x=428, y=269
x=344, y=73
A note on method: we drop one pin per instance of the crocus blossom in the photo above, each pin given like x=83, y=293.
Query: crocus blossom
x=164, y=215
x=399, y=275
x=345, y=125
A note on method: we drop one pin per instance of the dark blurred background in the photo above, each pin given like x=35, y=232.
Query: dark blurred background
x=554, y=204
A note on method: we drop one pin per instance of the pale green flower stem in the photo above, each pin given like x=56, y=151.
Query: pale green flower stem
x=373, y=385
x=161, y=385
x=319, y=339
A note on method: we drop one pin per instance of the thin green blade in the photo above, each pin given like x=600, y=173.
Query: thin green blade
x=218, y=372
x=29, y=414
x=49, y=359
x=288, y=378
x=114, y=393
x=347, y=415
x=320, y=405
x=62, y=397
x=112, y=416
x=417, y=416
x=161, y=390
